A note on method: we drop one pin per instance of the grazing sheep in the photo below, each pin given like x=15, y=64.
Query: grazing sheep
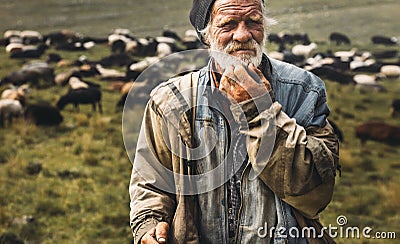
x=116, y=59
x=75, y=83
x=9, y=109
x=368, y=81
x=61, y=37
x=384, y=40
x=135, y=69
x=106, y=73
x=339, y=38
x=16, y=93
x=29, y=51
x=378, y=131
x=91, y=95
x=163, y=50
x=42, y=114
x=31, y=73
x=391, y=71
x=11, y=33
x=304, y=50
x=30, y=37
x=301, y=38
x=275, y=38
x=14, y=47
x=346, y=55
x=286, y=37
x=330, y=73
x=63, y=77
x=395, y=108
x=171, y=34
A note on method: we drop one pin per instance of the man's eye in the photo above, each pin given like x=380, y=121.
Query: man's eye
x=229, y=24
x=252, y=22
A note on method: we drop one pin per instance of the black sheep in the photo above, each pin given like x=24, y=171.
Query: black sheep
x=43, y=114
x=339, y=38
x=91, y=95
x=384, y=40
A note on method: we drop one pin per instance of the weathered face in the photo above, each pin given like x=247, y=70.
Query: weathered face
x=237, y=29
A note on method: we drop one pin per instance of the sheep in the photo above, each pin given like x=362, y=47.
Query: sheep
x=116, y=59
x=387, y=41
x=29, y=51
x=63, y=77
x=301, y=38
x=109, y=73
x=369, y=81
x=391, y=71
x=11, y=33
x=31, y=37
x=163, y=50
x=339, y=38
x=16, y=93
x=135, y=69
x=171, y=34
x=14, y=47
x=91, y=95
x=274, y=38
x=43, y=114
x=76, y=83
x=9, y=109
x=304, y=50
x=378, y=131
x=346, y=55
x=30, y=73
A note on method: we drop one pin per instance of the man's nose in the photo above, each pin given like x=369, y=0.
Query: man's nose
x=242, y=33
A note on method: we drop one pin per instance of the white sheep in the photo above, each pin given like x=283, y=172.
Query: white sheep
x=14, y=46
x=109, y=73
x=304, y=50
x=16, y=93
x=391, y=71
x=76, y=83
x=163, y=49
x=346, y=55
x=9, y=109
x=11, y=33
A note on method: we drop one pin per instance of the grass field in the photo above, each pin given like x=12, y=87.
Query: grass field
x=81, y=196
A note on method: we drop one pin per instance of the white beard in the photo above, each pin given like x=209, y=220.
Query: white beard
x=224, y=60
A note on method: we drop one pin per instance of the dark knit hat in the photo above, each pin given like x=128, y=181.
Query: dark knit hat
x=200, y=15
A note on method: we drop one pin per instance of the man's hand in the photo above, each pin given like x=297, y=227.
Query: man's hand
x=157, y=234
x=244, y=83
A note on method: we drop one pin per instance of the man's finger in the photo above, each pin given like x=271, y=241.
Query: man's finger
x=162, y=232
x=149, y=237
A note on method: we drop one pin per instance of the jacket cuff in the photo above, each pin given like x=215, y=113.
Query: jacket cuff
x=140, y=231
x=246, y=111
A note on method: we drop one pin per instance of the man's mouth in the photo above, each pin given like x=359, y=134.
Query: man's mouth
x=244, y=51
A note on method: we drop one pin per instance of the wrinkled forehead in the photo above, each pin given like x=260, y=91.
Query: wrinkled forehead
x=236, y=7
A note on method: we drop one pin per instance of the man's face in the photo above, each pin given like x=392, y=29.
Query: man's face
x=237, y=29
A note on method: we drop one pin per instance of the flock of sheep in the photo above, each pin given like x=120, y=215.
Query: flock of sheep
x=133, y=55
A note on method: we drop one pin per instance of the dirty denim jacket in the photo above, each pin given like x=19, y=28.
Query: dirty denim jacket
x=293, y=183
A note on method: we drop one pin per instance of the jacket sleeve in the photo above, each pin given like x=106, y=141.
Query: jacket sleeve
x=149, y=204
x=300, y=167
